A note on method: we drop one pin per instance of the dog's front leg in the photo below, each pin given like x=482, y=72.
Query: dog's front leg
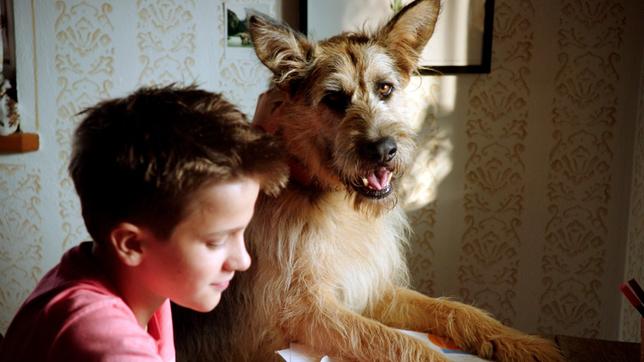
x=469, y=327
x=336, y=331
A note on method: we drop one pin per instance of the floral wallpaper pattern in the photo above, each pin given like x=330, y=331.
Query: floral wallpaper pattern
x=83, y=60
x=584, y=119
x=495, y=167
x=166, y=41
x=21, y=237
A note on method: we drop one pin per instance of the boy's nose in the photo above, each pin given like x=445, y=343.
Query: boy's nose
x=239, y=259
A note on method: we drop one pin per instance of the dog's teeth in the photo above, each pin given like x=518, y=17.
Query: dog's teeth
x=389, y=176
x=365, y=181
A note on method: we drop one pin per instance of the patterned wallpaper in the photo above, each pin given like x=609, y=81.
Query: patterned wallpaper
x=21, y=240
x=584, y=109
x=166, y=41
x=494, y=183
x=84, y=64
x=511, y=194
x=524, y=224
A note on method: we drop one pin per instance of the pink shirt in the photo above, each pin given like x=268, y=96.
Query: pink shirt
x=74, y=315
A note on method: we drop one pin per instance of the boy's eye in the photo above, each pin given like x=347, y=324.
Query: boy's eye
x=215, y=243
x=337, y=100
x=385, y=89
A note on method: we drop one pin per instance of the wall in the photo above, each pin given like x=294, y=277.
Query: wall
x=531, y=221
x=520, y=190
x=635, y=246
x=530, y=213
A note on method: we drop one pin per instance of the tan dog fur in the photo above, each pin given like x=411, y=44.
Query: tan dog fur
x=329, y=268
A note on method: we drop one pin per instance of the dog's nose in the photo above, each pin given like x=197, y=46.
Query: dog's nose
x=385, y=149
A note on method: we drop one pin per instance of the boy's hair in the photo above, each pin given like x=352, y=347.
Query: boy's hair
x=141, y=158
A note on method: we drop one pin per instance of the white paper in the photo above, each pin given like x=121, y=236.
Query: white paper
x=301, y=353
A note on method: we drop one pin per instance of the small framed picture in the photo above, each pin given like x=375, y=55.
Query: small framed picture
x=238, y=41
x=8, y=66
x=461, y=43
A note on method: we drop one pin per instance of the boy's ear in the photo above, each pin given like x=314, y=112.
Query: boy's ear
x=126, y=239
x=284, y=51
x=407, y=33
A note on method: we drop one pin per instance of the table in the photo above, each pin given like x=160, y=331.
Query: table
x=577, y=349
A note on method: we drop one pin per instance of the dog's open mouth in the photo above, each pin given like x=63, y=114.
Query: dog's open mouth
x=376, y=184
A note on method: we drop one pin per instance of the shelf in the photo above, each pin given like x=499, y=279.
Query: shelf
x=19, y=143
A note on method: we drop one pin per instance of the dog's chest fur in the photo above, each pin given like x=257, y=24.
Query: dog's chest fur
x=345, y=252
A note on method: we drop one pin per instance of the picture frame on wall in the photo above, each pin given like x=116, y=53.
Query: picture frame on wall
x=238, y=43
x=8, y=46
x=461, y=43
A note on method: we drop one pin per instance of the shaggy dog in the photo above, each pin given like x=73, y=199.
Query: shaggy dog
x=328, y=265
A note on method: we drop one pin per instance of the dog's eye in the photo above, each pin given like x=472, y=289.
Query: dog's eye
x=385, y=90
x=337, y=100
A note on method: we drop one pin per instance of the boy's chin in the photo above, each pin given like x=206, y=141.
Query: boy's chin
x=202, y=306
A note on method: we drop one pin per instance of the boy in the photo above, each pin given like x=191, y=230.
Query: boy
x=167, y=179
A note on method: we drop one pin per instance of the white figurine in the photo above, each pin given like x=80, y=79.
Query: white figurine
x=9, y=119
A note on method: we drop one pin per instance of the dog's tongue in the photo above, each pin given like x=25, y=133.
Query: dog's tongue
x=379, y=179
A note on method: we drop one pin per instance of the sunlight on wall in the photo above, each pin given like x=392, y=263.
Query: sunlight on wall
x=433, y=99
x=430, y=99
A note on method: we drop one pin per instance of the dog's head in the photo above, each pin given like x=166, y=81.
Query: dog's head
x=344, y=118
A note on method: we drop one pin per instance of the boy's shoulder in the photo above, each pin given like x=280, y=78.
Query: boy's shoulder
x=94, y=323
x=79, y=318
x=53, y=314
x=76, y=284
x=58, y=302
x=79, y=298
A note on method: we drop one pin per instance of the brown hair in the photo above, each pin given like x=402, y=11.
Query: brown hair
x=142, y=157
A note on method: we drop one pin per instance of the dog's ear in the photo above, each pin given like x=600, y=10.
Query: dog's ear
x=407, y=33
x=284, y=51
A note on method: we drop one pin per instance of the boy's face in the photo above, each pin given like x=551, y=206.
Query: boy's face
x=194, y=266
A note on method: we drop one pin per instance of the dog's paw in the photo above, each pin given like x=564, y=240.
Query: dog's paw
x=521, y=347
x=480, y=334
x=431, y=356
